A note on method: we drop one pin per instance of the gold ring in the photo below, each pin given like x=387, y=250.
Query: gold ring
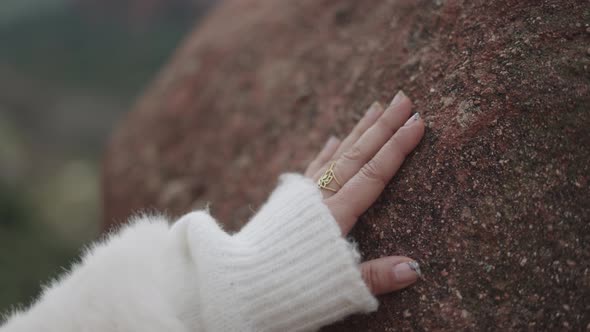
x=327, y=178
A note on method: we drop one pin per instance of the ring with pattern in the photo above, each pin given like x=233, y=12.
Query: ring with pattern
x=325, y=180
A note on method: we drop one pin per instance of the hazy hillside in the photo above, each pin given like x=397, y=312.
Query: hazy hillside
x=68, y=71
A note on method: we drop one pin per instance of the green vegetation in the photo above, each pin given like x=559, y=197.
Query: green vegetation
x=29, y=254
x=64, y=47
x=51, y=126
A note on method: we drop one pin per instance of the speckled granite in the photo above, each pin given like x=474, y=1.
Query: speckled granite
x=495, y=202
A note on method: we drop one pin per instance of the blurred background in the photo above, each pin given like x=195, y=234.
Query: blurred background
x=69, y=69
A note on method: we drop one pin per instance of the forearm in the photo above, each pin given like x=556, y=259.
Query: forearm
x=289, y=268
x=120, y=284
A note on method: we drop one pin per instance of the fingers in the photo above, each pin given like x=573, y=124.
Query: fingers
x=319, y=165
x=373, y=114
x=369, y=143
x=388, y=274
x=361, y=191
x=323, y=157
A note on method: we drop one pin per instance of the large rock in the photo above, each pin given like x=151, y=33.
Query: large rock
x=495, y=201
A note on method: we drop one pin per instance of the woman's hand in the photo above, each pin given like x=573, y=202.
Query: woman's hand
x=363, y=163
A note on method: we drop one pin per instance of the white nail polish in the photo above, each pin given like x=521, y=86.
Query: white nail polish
x=333, y=140
x=415, y=267
x=413, y=118
x=407, y=272
x=374, y=108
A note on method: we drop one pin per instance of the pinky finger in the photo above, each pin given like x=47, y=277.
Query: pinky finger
x=323, y=157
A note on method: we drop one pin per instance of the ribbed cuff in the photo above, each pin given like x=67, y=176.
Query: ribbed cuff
x=288, y=269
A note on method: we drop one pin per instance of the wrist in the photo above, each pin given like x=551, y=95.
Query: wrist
x=289, y=268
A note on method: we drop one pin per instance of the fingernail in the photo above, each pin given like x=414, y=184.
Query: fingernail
x=374, y=108
x=398, y=98
x=331, y=141
x=407, y=272
x=413, y=118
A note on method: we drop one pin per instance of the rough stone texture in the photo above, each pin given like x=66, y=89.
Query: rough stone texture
x=495, y=201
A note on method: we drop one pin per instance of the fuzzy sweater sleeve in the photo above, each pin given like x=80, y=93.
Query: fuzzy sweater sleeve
x=288, y=269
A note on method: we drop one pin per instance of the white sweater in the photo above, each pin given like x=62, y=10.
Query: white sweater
x=288, y=269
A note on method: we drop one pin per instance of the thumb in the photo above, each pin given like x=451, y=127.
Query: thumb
x=388, y=274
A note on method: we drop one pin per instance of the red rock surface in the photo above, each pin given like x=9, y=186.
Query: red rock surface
x=495, y=202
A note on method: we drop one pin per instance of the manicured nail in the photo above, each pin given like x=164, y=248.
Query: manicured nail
x=398, y=98
x=415, y=267
x=407, y=272
x=373, y=109
x=331, y=142
x=413, y=118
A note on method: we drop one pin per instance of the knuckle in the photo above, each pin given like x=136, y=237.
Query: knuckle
x=373, y=171
x=355, y=153
x=312, y=165
x=370, y=276
x=385, y=125
x=357, y=131
x=397, y=148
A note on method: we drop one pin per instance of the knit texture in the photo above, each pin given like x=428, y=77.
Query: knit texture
x=288, y=269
